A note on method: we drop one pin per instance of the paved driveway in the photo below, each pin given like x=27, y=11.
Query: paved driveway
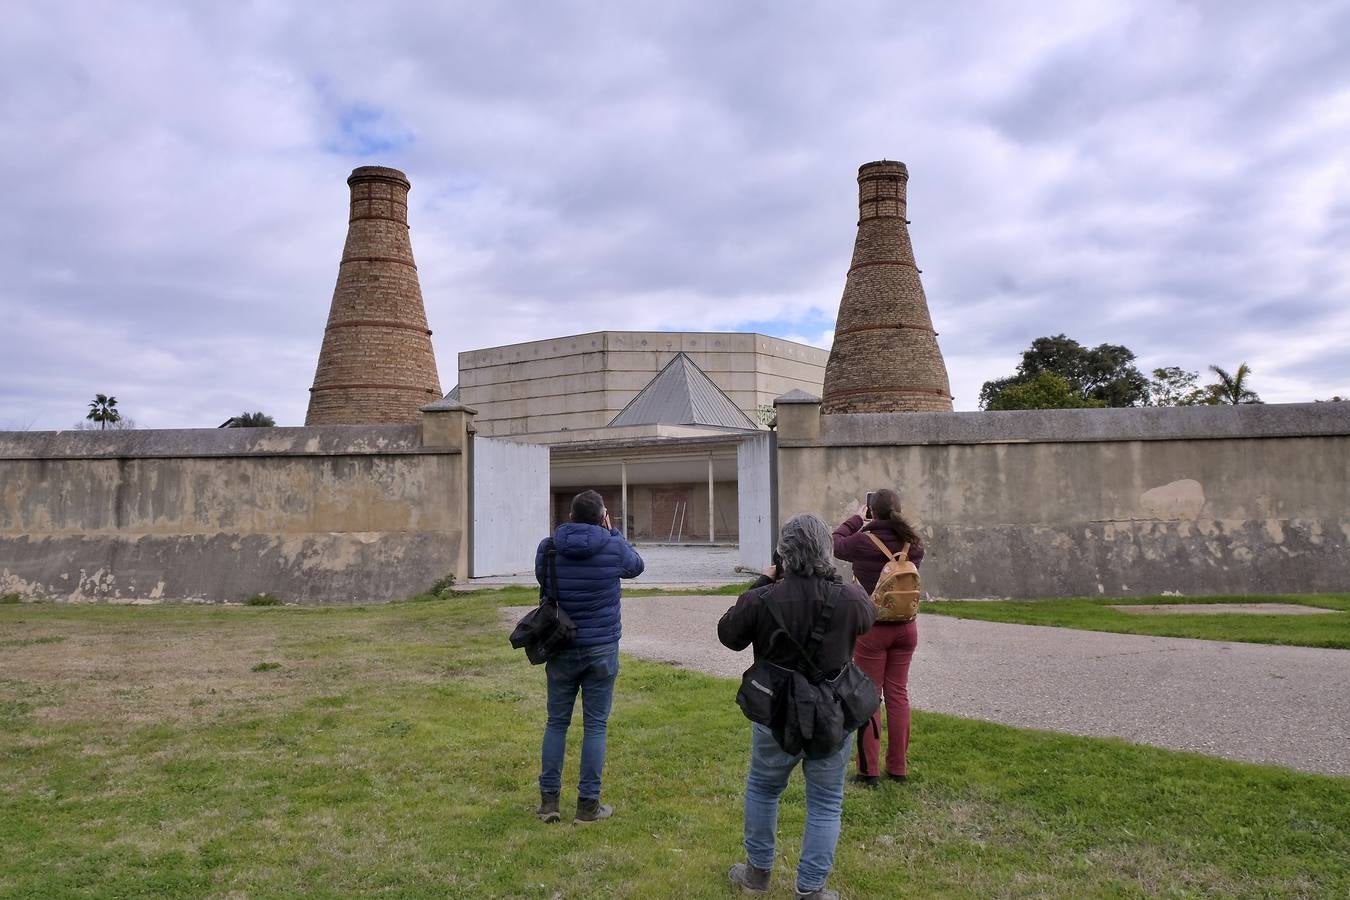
x=1283, y=705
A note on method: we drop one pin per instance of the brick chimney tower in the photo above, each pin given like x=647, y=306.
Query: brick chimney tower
x=376, y=364
x=885, y=356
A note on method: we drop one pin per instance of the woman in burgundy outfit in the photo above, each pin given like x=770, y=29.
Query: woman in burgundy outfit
x=884, y=652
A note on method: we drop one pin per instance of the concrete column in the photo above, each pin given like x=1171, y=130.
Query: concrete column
x=798, y=418
x=623, y=497
x=711, y=501
x=448, y=425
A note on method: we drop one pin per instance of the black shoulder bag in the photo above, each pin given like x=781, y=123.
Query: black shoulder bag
x=818, y=711
x=547, y=629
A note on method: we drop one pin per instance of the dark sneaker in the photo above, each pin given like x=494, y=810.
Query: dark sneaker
x=548, y=808
x=821, y=894
x=751, y=879
x=591, y=811
x=870, y=781
x=893, y=777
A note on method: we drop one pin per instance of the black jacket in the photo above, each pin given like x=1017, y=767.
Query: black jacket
x=798, y=599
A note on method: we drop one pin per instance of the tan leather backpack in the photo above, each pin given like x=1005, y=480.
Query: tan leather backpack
x=896, y=595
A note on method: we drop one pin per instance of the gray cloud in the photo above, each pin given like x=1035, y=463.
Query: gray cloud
x=1169, y=176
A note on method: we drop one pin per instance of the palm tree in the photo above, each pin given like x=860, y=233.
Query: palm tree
x=253, y=420
x=1233, y=388
x=103, y=410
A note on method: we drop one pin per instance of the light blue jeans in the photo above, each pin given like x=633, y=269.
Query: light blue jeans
x=591, y=670
x=769, y=771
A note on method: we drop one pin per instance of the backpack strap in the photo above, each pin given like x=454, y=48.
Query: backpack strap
x=549, y=593
x=812, y=671
x=882, y=547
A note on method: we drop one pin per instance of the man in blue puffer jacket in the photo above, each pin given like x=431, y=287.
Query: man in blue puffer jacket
x=591, y=557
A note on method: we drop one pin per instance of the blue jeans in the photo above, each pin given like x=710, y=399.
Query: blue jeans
x=769, y=771
x=592, y=671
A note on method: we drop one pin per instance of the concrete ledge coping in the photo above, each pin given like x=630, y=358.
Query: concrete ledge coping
x=445, y=404
x=1081, y=425
x=317, y=440
x=796, y=395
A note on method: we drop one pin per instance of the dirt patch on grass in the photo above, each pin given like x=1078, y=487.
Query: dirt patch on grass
x=171, y=673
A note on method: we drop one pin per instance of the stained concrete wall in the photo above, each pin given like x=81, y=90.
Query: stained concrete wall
x=1116, y=502
x=510, y=505
x=754, y=485
x=318, y=514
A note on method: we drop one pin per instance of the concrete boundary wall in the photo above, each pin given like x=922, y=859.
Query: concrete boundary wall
x=1116, y=502
x=318, y=514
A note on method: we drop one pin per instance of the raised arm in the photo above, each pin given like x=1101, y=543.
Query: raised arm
x=736, y=629
x=850, y=542
x=631, y=564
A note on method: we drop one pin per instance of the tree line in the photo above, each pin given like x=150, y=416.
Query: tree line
x=104, y=413
x=1057, y=372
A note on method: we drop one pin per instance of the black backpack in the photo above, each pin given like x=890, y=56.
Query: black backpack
x=547, y=629
x=809, y=711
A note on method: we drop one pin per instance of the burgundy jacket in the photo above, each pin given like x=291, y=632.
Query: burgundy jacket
x=852, y=544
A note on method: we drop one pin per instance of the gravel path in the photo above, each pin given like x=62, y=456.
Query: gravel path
x=1284, y=705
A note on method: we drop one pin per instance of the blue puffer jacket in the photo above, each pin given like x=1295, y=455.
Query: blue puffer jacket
x=591, y=560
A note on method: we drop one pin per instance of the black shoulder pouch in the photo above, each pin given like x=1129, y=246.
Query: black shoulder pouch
x=547, y=629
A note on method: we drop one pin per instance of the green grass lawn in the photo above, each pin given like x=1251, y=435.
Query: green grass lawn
x=266, y=752
x=1096, y=615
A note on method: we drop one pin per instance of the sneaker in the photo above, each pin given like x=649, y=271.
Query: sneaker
x=548, y=808
x=823, y=893
x=590, y=810
x=891, y=776
x=870, y=781
x=751, y=879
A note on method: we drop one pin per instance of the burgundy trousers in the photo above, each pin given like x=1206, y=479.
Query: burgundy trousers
x=884, y=654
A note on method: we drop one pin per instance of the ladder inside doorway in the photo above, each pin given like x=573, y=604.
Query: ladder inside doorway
x=677, y=517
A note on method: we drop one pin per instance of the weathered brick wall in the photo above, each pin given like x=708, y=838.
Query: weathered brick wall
x=376, y=365
x=885, y=356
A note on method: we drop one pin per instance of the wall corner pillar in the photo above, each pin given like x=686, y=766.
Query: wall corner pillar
x=448, y=425
x=798, y=417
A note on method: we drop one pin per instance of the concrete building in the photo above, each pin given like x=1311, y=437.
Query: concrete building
x=545, y=391
x=655, y=421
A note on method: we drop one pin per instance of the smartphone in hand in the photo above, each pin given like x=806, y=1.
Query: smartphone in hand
x=870, y=496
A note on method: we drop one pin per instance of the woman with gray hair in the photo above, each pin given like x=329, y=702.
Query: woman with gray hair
x=801, y=582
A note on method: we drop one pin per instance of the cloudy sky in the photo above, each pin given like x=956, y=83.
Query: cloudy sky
x=1170, y=176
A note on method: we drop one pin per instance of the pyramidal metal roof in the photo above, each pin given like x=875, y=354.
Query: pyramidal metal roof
x=681, y=394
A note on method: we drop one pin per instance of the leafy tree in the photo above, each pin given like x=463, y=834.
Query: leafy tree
x=253, y=420
x=1111, y=377
x=1337, y=398
x=1105, y=373
x=1174, y=386
x=1045, y=391
x=1232, y=388
x=103, y=410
